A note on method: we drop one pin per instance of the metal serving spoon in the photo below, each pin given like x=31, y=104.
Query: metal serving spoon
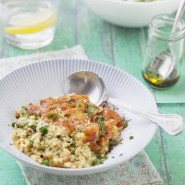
x=164, y=63
x=89, y=83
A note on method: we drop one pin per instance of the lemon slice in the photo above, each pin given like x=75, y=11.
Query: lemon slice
x=28, y=23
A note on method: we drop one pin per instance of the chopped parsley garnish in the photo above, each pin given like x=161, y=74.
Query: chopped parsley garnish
x=125, y=122
x=101, y=123
x=44, y=130
x=24, y=111
x=89, y=109
x=45, y=162
x=72, y=145
x=75, y=132
x=73, y=152
x=131, y=137
x=21, y=125
x=30, y=141
x=52, y=116
x=41, y=149
x=96, y=162
x=99, y=160
x=33, y=127
x=113, y=143
x=13, y=124
x=78, y=105
x=36, y=116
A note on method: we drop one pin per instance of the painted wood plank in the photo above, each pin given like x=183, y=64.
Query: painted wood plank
x=93, y=34
x=10, y=173
x=65, y=29
x=155, y=152
x=174, y=148
x=128, y=55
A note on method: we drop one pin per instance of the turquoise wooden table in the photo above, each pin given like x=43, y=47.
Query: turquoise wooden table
x=120, y=47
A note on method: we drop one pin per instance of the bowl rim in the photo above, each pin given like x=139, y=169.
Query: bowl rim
x=91, y=168
x=141, y=3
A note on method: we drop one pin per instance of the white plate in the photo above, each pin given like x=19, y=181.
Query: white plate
x=44, y=79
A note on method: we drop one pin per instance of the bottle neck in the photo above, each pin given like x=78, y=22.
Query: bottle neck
x=161, y=28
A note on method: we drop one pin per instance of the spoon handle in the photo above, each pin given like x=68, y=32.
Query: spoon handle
x=171, y=123
x=179, y=14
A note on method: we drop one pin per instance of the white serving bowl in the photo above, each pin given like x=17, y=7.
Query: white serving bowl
x=45, y=79
x=131, y=14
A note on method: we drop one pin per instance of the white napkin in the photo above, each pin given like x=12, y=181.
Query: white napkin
x=9, y=64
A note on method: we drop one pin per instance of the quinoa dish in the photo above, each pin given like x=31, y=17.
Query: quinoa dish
x=67, y=131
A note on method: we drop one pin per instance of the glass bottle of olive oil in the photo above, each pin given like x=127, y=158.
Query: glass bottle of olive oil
x=164, y=53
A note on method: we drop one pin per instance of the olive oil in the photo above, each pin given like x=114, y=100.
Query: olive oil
x=158, y=81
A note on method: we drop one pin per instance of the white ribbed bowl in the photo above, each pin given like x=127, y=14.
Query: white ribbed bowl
x=44, y=79
x=129, y=13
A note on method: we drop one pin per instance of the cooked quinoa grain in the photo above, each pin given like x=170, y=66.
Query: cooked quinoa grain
x=66, y=132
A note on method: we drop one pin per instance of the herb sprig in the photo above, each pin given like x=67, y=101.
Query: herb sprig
x=89, y=109
x=101, y=123
x=53, y=116
x=45, y=163
x=44, y=130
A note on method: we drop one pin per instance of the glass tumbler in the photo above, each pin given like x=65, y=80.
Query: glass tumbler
x=29, y=24
x=164, y=52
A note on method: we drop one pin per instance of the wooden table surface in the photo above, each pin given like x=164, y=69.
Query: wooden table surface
x=120, y=47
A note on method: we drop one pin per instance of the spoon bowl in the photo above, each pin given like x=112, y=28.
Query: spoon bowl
x=85, y=82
